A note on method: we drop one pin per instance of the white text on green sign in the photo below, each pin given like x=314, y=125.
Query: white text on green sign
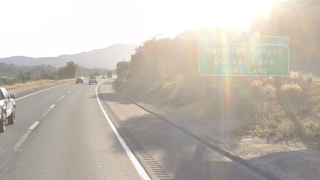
x=243, y=60
x=276, y=40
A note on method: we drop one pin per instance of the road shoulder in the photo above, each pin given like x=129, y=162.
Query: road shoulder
x=288, y=159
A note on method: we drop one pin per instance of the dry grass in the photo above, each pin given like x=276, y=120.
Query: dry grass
x=274, y=114
x=32, y=83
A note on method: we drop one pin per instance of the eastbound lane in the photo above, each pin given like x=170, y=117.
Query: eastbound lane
x=73, y=141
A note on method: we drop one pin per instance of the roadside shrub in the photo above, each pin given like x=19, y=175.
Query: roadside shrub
x=6, y=81
x=291, y=95
x=298, y=77
x=256, y=87
x=285, y=128
x=47, y=75
x=263, y=104
x=24, y=77
x=272, y=120
x=122, y=67
x=292, y=90
x=312, y=129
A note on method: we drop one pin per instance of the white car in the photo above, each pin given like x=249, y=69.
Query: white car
x=7, y=109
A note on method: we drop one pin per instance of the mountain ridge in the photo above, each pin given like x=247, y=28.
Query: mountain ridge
x=107, y=57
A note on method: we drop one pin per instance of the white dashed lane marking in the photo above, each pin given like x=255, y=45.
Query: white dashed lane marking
x=61, y=98
x=36, y=124
x=23, y=138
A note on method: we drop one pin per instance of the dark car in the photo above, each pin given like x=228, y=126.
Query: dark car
x=103, y=77
x=93, y=80
x=109, y=74
x=79, y=80
x=7, y=109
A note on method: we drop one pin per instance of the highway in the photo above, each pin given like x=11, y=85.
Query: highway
x=67, y=132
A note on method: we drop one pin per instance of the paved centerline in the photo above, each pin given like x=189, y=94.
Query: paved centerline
x=133, y=159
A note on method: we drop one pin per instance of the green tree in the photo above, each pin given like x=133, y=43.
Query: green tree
x=68, y=71
x=47, y=75
x=96, y=74
x=24, y=77
x=122, y=67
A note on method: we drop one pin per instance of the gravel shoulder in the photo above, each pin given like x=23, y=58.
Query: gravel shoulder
x=292, y=158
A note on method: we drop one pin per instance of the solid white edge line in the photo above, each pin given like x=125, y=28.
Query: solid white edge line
x=133, y=159
x=34, y=125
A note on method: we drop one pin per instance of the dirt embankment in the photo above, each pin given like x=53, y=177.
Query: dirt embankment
x=288, y=158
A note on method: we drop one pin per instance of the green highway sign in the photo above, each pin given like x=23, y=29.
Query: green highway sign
x=243, y=60
x=276, y=40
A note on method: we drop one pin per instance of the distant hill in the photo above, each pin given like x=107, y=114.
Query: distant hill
x=99, y=58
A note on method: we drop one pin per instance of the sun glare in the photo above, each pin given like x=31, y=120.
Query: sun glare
x=238, y=13
x=235, y=13
x=172, y=17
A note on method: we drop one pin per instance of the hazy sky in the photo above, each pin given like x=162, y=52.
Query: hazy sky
x=41, y=28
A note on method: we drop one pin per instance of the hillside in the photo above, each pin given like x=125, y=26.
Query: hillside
x=99, y=58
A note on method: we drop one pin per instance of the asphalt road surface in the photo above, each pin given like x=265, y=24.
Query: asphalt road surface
x=63, y=133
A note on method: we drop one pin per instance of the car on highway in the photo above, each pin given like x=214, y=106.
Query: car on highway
x=7, y=109
x=109, y=74
x=103, y=77
x=79, y=80
x=93, y=80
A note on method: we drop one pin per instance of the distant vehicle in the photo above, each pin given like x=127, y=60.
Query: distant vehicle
x=103, y=77
x=93, y=80
x=79, y=80
x=7, y=109
x=109, y=74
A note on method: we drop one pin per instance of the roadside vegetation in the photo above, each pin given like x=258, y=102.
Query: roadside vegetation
x=164, y=70
x=29, y=75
